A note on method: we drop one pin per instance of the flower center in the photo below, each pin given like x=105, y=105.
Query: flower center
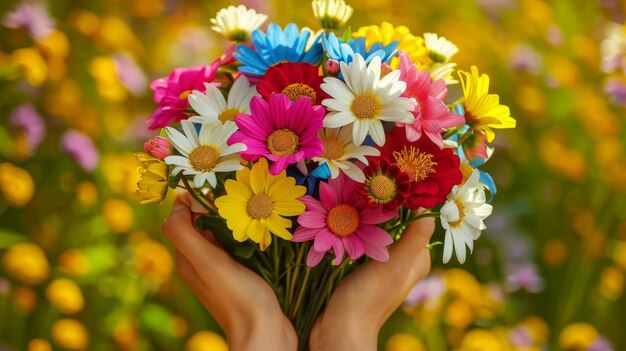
x=436, y=56
x=228, y=114
x=333, y=149
x=283, y=142
x=298, y=90
x=238, y=35
x=418, y=165
x=366, y=106
x=382, y=188
x=184, y=94
x=204, y=158
x=343, y=220
x=259, y=206
x=459, y=204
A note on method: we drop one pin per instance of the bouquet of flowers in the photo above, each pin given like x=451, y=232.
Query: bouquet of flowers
x=311, y=152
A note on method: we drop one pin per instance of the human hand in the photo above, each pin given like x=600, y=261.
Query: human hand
x=241, y=302
x=368, y=296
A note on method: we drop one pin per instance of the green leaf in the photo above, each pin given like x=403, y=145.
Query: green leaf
x=432, y=245
x=9, y=238
x=245, y=250
x=347, y=35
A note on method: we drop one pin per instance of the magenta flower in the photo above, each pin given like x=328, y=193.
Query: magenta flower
x=81, y=148
x=27, y=118
x=342, y=221
x=431, y=114
x=158, y=147
x=171, y=93
x=33, y=17
x=130, y=73
x=279, y=130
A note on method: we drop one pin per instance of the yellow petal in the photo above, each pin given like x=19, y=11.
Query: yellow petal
x=240, y=230
x=289, y=207
x=258, y=175
x=274, y=224
x=237, y=189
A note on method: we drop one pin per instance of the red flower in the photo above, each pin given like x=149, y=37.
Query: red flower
x=295, y=80
x=385, y=184
x=432, y=171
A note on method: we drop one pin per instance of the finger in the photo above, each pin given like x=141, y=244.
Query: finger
x=179, y=229
x=406, y=251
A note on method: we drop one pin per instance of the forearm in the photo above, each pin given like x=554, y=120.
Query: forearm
x=261, y=333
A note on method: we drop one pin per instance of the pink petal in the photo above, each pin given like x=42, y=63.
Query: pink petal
x=376, y=215
x=248, y=126
x=374, y=234
x=327, y=195
x=377, y=252
x=339, y=251
x=324, y=240
x=354, y=247
x=312, y=204
x=314, y=258
x=312, y=219
x=304, y=234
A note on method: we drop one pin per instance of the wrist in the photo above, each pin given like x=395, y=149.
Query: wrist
x=261, y=331
x=345, y=331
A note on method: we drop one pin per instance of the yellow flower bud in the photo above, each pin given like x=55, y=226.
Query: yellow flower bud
x=153, y=261
x=459, y=314
x=32, y=65
x=74, y=262
x=16, y=185
x=539, y=329
x=69, y=334
x=481, y=340
x=24, y=299
x=118, y=215
x=86, y=193
x=39, y=345
x=577, y=336
x=611, y=283
x=404, y=342
x=27, y=263
x=65, y=295
x=206, y=341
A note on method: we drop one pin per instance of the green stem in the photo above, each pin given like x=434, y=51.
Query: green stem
x=197, y=197
x=292, y=284
x=416, y=218
x=305, y=281
x=452, y=132
x=464, y=137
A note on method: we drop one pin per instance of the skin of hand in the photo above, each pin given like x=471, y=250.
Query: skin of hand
x=241, y=302
x=356, y=311
x=367, y=297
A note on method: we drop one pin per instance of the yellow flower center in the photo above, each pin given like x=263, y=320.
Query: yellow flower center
x=283, y=142
x=382, y=188
x=418, y=165
x=237, y=35
x=366, y=106
x=204, y=158
x=343, y=220
x=298, y=90
x=333, y=149
x=259, y=206
x=459, y=204
x=228, y=114
x=184, y=94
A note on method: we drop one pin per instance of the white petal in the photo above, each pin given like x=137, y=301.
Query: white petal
x=447, y=247
x=180, y=142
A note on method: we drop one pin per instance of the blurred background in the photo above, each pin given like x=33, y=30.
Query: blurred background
x=84, y=267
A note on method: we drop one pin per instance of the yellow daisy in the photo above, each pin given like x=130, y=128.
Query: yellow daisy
x=257, y=203
x=387, y=33
x=483, y=110
x=152, y=186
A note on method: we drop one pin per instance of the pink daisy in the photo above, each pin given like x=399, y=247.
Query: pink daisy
x=279, y=130
x=171, y=93
x=431, y=113
x=342, y=221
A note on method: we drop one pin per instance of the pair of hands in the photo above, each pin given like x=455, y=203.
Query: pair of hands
x=246, y=308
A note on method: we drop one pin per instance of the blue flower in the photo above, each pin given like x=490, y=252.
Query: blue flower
x=311, y=180
x=338, y=50
x=277, y=46
x=485, y=178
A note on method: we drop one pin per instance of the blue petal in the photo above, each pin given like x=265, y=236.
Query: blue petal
x=487, y=180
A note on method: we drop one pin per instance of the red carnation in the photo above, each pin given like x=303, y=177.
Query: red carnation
x=295, y=80
x=432, y=171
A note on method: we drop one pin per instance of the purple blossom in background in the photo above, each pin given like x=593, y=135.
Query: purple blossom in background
x=31, y=15
x=554, y=36
x=617, y=91
x=79, y=146
x=5, y=286
x=524, y=276
x=601, y=344
x=27, y=118
x=524, y=58
x=130, y=74
x=521, y=337
x=427, y=290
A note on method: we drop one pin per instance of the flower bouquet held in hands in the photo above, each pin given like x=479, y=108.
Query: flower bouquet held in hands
x=311, y=152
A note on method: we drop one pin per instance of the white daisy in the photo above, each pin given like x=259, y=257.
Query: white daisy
x=237, y=23
x=462, y=217
x=205, y=153
x=613, y=48
x=332, y=14
x=365, y=100
x=439, y=48
x=340, y=152
x=212, y=106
